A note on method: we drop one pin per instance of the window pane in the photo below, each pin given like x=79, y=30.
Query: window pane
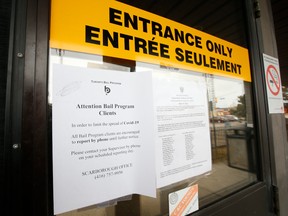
x=233, y=144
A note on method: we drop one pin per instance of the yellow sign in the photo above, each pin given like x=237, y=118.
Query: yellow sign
x=115, y=29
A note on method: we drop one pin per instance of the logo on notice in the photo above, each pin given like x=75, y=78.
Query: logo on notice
x=107, y=90
x=173, y=199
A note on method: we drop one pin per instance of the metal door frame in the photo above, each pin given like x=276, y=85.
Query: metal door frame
x=30, y=164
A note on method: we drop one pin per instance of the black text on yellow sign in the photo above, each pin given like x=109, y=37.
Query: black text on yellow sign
x=122, y=31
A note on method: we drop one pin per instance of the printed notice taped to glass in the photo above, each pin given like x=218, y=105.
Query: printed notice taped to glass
x=102, y=143
x=183, y=148
x=184, y=201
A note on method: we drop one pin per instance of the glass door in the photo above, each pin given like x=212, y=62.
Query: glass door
x=218, y=126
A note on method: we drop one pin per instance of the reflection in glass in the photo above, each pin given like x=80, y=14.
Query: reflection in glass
x=232, y=138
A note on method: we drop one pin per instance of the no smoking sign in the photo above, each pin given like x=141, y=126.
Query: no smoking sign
x=273, y=84
x=273, y=80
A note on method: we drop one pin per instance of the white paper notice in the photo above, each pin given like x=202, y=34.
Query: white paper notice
x=102, y=143
x=183, y=148
x=273, y=84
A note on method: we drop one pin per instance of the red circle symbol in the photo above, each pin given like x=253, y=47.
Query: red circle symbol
x=273, y=80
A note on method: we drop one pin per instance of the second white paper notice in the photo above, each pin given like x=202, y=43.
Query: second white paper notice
x=183, y=147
